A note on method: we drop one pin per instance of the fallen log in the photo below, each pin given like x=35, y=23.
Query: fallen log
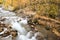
x=46, y=21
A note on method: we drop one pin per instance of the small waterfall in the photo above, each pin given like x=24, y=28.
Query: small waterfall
x=22, y=32
x=18, y=27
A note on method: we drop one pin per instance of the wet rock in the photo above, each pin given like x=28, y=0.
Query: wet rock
x=39, y=36
x=1, y=29
x=14, y=33
x=7, y=33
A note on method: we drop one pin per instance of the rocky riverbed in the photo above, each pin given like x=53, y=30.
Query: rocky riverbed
x=19, y=24
x=19, y=28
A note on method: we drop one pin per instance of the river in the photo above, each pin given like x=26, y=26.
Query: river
x=23, y=34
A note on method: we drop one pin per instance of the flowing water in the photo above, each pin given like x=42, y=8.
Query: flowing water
x=23, y=34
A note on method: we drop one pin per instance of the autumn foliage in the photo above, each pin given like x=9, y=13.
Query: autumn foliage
x=48, y=8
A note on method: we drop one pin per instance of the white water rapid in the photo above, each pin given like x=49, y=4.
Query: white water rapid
x=22, y=32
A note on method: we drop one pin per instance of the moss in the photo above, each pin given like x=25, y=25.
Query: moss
x=53, y=11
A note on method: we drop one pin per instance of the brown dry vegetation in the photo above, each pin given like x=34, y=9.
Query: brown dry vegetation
x=47, y=14
x=45, y=21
